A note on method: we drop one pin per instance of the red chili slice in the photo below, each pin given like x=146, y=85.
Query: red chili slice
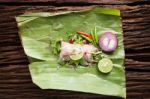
x=71, y=41
x=85, y=34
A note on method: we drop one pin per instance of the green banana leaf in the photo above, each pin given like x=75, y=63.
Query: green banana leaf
x=36, y=30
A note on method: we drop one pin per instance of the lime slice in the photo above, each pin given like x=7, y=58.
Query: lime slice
x=76, y=56
x=105, y=65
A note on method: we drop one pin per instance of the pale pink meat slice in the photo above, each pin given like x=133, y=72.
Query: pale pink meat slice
x=88, y=49
x=67, y=49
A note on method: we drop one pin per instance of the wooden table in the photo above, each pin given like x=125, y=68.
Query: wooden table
x=15, y=80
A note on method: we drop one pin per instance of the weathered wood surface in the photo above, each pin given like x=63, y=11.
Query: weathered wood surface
x=15, y=80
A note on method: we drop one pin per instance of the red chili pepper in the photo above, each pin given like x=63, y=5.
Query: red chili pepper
x=85, y=34
x=71, y=41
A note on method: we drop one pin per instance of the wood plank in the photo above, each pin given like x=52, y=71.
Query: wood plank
x=76, y=2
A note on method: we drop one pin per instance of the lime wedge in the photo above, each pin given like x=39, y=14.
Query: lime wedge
x=76, y=56
x=105, y=65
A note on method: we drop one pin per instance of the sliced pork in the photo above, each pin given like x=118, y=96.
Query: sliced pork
x=68, y=49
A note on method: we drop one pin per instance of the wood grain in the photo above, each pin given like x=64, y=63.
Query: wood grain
x=15, y=80
x=76, y=2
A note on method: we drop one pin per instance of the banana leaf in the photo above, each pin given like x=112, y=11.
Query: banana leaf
x=37, y=30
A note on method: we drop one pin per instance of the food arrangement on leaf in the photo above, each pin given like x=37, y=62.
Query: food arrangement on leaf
x=75, y=50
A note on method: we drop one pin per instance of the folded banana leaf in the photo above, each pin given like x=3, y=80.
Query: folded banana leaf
x=37, y=30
